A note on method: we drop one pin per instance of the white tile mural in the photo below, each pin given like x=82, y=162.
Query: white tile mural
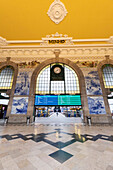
x=20, y=105
x=92, y=83
x=23, y=83
x=96, y=105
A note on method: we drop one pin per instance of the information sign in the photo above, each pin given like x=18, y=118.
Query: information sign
x=57, y=100
x=46, y=100
x=69, y=100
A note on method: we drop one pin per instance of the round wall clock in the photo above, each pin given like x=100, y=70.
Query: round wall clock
x=57, y=70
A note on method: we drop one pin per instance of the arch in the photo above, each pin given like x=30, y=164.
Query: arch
x=6, y=77
x=68, y=85
x=108, y=75
x=11, y=91
x=104, y=91
x=63, y=61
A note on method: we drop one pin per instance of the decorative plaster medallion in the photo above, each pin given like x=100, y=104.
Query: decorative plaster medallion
x=57, y=11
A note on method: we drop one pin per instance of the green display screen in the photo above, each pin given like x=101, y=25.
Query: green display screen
x=57, y=100
x=69, y=100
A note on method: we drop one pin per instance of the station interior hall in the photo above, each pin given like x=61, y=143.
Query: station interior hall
x=56, y=85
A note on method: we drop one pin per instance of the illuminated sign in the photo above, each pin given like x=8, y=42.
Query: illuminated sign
x=46, y=100
x=57, y=100
x=69, y=100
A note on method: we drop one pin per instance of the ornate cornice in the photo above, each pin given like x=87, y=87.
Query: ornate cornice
x=45, y=50
x=57, y=36
x=81, y=54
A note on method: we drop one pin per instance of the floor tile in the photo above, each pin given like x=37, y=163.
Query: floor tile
x=61, y=156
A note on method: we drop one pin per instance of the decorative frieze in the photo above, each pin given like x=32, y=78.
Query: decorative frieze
x=55, y=42
x=74, y=53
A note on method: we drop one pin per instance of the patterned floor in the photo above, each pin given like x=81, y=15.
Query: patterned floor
x=56, y=147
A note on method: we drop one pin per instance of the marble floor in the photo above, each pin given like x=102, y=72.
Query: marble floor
x=56, y=147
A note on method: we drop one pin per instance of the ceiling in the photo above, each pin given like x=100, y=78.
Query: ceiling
x=28, y=20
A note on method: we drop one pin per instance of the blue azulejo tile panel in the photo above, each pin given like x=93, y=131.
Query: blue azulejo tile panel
x=23, y=83
x=20, y=105
x=96, y=105
x=93, y=83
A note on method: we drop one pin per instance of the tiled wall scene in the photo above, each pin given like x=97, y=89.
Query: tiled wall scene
x=96, y=105
x=23, y=82
x=19, y=105
x=92, y=83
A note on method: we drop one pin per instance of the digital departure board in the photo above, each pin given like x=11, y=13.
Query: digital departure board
x=46, y=100
x=69, y=100
x=57, y=100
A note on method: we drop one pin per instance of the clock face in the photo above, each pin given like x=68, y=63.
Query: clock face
x=57, y=70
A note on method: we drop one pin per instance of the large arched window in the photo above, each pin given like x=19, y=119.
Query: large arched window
x=70, y=84
x=6, y=77
x=108, y=82
x=108, y=76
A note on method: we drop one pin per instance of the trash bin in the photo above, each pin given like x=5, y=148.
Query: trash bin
x=89, y=120
x=6, y=120
x=28, y=120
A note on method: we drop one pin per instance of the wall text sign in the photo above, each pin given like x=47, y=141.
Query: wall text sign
x=56, y=41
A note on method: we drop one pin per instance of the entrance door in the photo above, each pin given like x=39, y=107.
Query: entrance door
x=4, y=100
x=67, y=111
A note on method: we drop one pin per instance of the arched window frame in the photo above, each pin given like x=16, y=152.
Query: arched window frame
x=107, y=71
x=10, y=91
x=71, y=64
x=105, y=91
x=6, y=77
x=70, y=85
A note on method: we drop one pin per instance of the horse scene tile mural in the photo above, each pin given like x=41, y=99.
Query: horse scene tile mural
x=96, y=105
x=20, y=105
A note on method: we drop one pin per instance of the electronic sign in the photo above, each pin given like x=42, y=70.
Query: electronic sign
x=70, y=100
x=57, y=100
x=46, y=100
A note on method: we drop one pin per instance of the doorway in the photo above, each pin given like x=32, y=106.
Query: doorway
x=57, y=113
x=4, y=100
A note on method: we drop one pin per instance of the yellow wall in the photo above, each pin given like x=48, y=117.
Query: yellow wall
x=28, y=19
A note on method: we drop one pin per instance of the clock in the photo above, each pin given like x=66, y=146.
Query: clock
x=57, y=73
x=57, y=70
